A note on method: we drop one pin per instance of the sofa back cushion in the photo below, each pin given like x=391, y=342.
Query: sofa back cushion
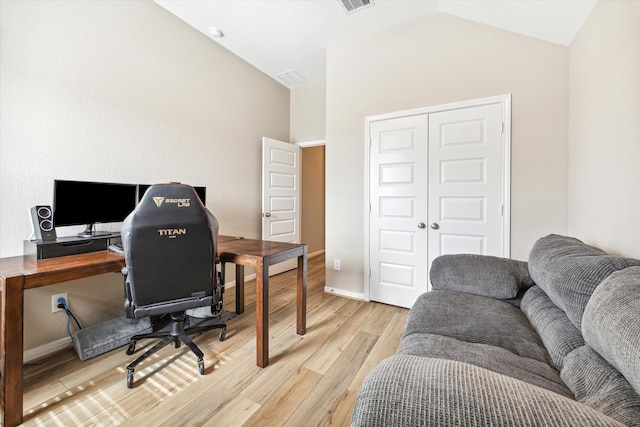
x=569, y=270
x=596, y=383
x=611, y=323
x=557, y=333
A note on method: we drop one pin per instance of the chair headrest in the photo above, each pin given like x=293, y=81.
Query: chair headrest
x=171, y=196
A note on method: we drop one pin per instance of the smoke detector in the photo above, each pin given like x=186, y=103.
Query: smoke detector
x=216, y=32
x=355, y=5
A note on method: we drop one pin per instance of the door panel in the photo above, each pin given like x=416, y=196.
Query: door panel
x=280, y=195
x=398, y=179
x=465, y=181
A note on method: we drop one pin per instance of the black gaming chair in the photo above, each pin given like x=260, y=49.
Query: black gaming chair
x=170, y=250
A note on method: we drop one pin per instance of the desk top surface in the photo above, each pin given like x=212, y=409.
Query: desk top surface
x=54, y=270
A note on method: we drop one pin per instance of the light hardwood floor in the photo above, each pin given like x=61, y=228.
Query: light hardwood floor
x=311, y=380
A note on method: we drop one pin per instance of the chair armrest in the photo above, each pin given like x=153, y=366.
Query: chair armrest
x=488, y=276
x=406, y=390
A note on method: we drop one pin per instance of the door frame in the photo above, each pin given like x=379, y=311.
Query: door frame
x=505, y=100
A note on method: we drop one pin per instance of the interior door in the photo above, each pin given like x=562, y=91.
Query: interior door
x=280, y=195
x=465, y=182
x=398, y=211
x=436, y=186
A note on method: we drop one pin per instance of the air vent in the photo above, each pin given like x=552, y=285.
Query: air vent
x=355, y=5
x=291, y=77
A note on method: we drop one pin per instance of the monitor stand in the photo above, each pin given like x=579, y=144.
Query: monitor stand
x=91, y=232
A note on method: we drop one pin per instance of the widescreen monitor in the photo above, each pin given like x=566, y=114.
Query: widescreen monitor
x=87, y=203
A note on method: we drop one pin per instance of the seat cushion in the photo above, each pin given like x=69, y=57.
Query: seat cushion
x=475, y=319
x=569, y=270
x=406, y=390
x=485, y=356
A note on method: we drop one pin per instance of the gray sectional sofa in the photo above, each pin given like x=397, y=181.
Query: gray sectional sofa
x=554, y=341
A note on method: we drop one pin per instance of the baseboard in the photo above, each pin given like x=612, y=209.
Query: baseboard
x=315, y=254
x=232, y=283
x=46, y=349
x=343, y=293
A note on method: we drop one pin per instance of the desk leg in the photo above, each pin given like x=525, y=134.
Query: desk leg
x=11, y=344
x=302, y=294
x=262, y=312
x=239, y=289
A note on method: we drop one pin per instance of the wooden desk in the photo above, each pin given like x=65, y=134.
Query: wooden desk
x=261, y=254
x=20, y=273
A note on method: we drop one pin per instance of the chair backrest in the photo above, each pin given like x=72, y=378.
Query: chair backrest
x=170, y=248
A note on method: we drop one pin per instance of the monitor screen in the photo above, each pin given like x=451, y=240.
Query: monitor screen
x=201, y=191
x=88, y=203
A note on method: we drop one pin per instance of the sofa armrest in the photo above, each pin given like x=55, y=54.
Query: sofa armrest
x=405, y=390
x=488, y=276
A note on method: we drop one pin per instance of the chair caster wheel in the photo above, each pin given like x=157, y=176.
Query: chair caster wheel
x=131, y=349
x=130, y=379
x=223, y=333
x=201, y=366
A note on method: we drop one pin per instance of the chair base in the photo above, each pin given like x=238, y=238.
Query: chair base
x=177, y=334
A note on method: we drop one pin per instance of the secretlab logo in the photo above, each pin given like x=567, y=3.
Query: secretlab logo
x=182, y=203
x=172, y=233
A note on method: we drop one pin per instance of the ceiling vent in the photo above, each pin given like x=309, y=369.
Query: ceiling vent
x=355, y=5
x=291, y=78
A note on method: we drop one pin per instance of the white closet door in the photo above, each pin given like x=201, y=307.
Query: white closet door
x=398, y=184
x=465, y=182
x=436, y=186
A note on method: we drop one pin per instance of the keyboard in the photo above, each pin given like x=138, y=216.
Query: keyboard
x=116, y=247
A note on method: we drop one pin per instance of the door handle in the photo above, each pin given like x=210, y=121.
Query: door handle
x=421, y=225
x=268, y=214
x=435, y=226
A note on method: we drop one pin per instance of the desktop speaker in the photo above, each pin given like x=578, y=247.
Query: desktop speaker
x=42, y=217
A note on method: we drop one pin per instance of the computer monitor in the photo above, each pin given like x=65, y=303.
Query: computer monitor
x=88, y=203
x=201, y=191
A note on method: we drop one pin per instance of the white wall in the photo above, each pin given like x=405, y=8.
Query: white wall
x=432, y=61
x=123, y=91
x=604, y=129
x=308, y=112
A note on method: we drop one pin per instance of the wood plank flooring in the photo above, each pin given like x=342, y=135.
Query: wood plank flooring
x=311, y=380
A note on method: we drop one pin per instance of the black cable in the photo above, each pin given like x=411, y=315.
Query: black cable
x=69, y=313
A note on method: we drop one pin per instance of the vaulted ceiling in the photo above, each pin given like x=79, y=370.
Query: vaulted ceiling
x=279, y=36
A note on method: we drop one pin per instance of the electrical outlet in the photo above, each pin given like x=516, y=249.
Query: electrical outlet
x=336, y=264
x=54, y=301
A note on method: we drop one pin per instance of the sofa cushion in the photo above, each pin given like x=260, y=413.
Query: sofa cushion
x=569, y=270
x=485, y=356
x=596, y=383
x=475, y=319
x=488, y=276
x=557, y=333
x=611, y=323
x=405, y=390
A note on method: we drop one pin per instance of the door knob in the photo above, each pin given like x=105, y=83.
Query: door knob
x=421, y=225
x=268, y=214
x=435, y=226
